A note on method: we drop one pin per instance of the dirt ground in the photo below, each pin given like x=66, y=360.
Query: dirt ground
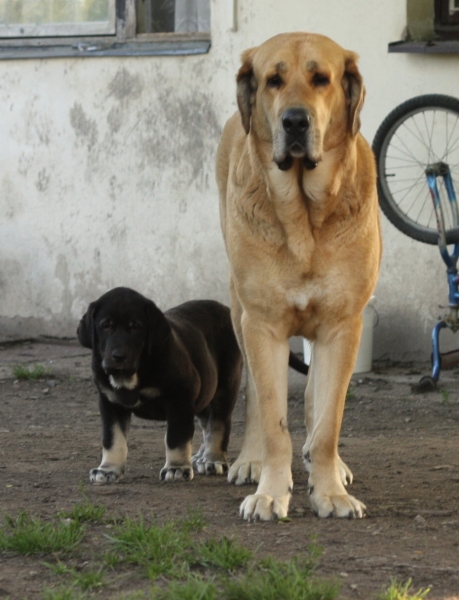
x=402, y=448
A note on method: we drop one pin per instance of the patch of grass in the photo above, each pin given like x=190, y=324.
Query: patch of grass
x=24, y=373
x=86, y=512
x=275, y=580
x=159, y=549
x=89, y=579
x=403, y=591
x=225, y=554
x=27, y=535
x=194, y=588
x=444, y=396
x=350, y=394
x=62, y=593
x=185, y=568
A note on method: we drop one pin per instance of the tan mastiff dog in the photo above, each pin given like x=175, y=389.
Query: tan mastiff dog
x=299, y=214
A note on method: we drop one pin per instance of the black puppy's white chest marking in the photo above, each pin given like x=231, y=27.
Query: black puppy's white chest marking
x=115, y=397
x=118, y=382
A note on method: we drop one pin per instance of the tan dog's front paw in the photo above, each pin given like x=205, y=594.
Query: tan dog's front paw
x=264, y=508
x=245, y=472
x=343, y=505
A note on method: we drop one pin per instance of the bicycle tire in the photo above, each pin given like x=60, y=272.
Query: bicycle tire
x=402, y=128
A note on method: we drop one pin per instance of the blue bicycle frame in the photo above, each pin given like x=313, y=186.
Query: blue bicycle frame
x=451, y=321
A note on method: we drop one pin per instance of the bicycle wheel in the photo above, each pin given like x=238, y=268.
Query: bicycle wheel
x=417, y=133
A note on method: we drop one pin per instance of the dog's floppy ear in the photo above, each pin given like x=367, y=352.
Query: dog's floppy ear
x=86, y=330
x=246, y=86
x=355, y=91
x=159, y=329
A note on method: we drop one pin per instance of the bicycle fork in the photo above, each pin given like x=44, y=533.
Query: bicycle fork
x=451, y=320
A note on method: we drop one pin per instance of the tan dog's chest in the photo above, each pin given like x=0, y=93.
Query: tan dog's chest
x=290, y=265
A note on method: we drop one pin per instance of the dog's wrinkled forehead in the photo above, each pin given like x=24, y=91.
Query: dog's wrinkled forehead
x=122, y=307
x=301, y=52
x=121, y=314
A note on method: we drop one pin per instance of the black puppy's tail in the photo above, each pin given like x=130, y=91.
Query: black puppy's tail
x=297, y=364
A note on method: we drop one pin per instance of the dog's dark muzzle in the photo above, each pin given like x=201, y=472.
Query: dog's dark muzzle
x=119, y=360
x=296, y=123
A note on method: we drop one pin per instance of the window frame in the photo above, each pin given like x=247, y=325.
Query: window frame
x=124, y=42
x=446, y=24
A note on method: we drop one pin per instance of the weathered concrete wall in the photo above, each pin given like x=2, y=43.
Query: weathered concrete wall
x=107, y=171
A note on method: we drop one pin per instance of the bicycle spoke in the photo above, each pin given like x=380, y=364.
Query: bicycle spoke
x=418, y=133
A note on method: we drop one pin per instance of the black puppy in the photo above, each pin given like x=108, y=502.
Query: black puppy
x=165, y=366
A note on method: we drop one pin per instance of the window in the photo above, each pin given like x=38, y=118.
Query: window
x=47, y=28
x=432, y=28
x=447, y=18
x=29, y=18
x=172, y=15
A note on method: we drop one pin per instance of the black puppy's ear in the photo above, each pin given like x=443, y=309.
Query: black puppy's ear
x=159, y=329
x=246, y=87
x=86, y=330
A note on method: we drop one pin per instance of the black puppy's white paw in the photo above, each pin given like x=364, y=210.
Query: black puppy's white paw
x=181, y=473
x=210, y=467
x=103, y=475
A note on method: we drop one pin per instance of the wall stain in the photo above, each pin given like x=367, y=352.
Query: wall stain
x=115, y=119
x=179, y=131
x=85, y=128
x=42, y=182
x=125, y=87
x=9, y=199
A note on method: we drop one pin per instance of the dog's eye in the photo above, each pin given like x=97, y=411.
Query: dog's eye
x=320, y=80
x=274, y=82
x=108, y=324
x=133, y=325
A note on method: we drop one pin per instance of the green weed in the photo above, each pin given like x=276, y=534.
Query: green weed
x=274, y=580
x=224, y=554
x=194, y=588
x=350, y=394
x=85, y=579
x=85, y=513
x=444, y=396
x=27, y=535
x=159, y=549
x=62, y=593
x=402, y=591
x=23, y=372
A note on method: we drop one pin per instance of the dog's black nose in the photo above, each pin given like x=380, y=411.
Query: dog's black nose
x=295, y=121
x=119, y=355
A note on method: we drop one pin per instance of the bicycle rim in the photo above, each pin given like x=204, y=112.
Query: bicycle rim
x=424, y=135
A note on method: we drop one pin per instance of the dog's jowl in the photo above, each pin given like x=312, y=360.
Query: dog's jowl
x=168, y=366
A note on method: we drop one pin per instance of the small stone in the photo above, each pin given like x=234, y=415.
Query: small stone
x=419, y=521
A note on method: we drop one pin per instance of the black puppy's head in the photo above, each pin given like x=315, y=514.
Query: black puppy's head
x=119, y=327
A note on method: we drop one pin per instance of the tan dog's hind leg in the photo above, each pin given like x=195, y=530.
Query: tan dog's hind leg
x=247, y=467
x=334, y=357
x=268, y=362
